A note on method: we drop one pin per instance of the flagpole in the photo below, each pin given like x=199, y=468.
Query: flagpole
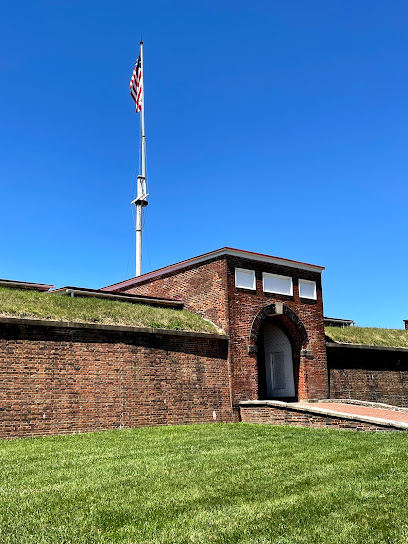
x=140, y=201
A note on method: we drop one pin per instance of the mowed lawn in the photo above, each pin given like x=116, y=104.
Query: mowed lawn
x=206, y=483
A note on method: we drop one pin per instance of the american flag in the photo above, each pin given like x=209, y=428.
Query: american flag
x=136, y=84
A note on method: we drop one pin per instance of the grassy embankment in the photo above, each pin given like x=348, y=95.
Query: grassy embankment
x=369, y=336
x=237, y=483
x=33, y=304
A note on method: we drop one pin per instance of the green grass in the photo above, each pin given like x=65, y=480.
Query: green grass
x=33, y=304
x=217, y=483
x=369, y=336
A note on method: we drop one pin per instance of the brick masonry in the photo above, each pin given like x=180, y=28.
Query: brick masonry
x=311, y=370
x=201, y=287
x=368, y=373
x=62, y=379
x=59, y=378
x=209, y=289
x=273, y=415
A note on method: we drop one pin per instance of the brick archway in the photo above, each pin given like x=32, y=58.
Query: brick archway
x=287, y=314
x=290, y=323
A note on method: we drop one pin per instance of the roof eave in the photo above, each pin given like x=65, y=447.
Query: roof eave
x=212, y=255
x=25, y=285
x=137, y=299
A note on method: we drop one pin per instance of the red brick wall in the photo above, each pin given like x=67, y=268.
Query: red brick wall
x=244, y=305
x=370, y=374
x=57, y=379
x=281, y=416
x=209, y=289
x=201, y=287
x=389, y=387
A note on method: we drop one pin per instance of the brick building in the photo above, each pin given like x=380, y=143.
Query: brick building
x=270, y=308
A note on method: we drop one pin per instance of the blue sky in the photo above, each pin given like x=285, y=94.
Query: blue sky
x=276, y=127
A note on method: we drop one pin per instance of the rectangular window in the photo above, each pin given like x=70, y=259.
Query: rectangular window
x=307, y=289
x=272, y=283
x=245, y=278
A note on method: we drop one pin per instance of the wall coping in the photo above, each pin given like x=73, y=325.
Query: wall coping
x=362, y=346
x=295, y=407
x=104, y=327
x=368, y=403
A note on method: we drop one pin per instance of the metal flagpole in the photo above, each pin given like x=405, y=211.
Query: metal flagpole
x=140, y=201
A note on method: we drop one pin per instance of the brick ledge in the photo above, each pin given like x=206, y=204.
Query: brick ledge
x=104, y=327
x=364, y=346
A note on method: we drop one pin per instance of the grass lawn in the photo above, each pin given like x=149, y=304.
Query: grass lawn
x=369, y=336
x=26, y=303
x=206, y=483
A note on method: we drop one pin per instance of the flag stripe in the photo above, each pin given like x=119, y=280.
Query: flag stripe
x=136, y=85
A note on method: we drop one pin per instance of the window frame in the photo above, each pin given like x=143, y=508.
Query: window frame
x=310, y=282
x=245, y=271
x=280, y=277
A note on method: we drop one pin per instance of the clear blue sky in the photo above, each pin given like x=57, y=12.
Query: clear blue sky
x=276, y=127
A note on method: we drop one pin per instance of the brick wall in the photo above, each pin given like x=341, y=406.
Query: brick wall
x=288, y=416
x=368, y=373
x=62, y=379
x=310, y=371
x=201, y=287
x=208, y=288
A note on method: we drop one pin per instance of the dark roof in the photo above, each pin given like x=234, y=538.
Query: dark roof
x=337, y=321
x=25, y=285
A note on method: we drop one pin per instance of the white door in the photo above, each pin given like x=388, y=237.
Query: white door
x=278, y=363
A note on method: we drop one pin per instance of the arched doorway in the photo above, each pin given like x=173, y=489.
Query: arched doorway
x=278, y=361
x=278, y=335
